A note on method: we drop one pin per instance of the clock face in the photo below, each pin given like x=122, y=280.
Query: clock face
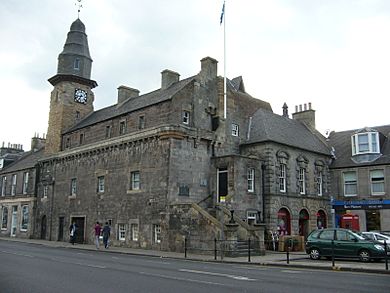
x=80, y=96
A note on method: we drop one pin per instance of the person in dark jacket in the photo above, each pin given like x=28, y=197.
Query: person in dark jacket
x=106, y=234
x=73, y=232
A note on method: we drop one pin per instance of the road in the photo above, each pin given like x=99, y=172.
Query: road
x=34, y=268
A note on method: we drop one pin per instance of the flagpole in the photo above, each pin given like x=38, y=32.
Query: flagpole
x=224, y=63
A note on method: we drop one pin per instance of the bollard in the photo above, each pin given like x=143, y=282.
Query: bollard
x=249, y=250
x=215, y=248
x=386, y=261
x=185, y=247
x=288, y=254
x=333, y=254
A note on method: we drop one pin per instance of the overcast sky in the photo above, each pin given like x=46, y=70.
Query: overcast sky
x=332, y=53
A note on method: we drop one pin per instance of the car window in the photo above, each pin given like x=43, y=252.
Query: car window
x=344, y=236
x=368, y=236
x=379, y=237
x=327, y=235
x=315, y=233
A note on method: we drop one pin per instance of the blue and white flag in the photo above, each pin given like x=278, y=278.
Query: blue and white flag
x=222, y=13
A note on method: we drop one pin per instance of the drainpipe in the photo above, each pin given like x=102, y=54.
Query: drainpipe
x=263, y=189
x=52, y=200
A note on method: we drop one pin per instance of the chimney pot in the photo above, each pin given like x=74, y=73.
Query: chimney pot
x=309, y=106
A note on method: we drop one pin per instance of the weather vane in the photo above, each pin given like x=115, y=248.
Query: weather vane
x=79, y=8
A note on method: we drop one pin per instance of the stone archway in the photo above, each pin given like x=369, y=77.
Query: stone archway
x=304, y=223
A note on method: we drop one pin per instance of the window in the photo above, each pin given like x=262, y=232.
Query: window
x=156, y=233
x=377, y=179
x=251, y=217
x=141, y=122
x=108, y=131
x=301, y=181
x=365, y=143
x=81, y=138
x=186, y=117
x=134, y=232
x=319, y=183
x=73, y=186
x=3, y=185
x=76, y=64
x=13, y=184
x=77, y=115
x=344, y=236
x=327, y=235
x=67, y=142
x=222, y=184
x=4, y=220
x=100, y=184
x=122, y=232
x=25, y=182
x=25, y=216
x=135, y=180
x=234, y=129
x=350, y=184
x=282, y=178
x=251, y=179
x=45, y=190
x=122, y=127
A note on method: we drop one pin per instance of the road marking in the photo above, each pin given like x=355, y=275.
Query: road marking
x=78, y=263
x=291, y=271
x=241, y=278
x=114, y=257
x=19, y=254
x=159, y=262
x=182, y=279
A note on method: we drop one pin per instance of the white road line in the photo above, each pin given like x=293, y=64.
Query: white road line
x=182, y=279
x=19, y=254
x=78, y=263
x=241, y=278
x=291, y=271
x=114, y=257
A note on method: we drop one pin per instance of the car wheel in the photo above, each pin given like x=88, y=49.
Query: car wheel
x=364, y=255
x=314, y=253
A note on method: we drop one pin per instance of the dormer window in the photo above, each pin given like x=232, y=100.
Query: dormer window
x=363, y=143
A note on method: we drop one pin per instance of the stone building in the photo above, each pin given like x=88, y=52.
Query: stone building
x=360, y=173
x=165, y=165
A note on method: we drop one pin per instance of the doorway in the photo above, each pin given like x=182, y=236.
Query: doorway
x=61, y=222
x=43, y=227
x=373, y=220
x=80, y=226
x=303, y=223
x=14, y=221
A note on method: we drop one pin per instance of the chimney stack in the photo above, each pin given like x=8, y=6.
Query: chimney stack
x=306, y=116
x=37, y=142
x=168, y=77
x=209, y=67
x=125, y=92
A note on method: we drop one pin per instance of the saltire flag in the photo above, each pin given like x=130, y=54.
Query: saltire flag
x=222, y=13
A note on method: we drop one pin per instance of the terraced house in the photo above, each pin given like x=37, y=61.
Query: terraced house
x=167, y=164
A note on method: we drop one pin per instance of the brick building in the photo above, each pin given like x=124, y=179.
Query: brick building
x=165, y=165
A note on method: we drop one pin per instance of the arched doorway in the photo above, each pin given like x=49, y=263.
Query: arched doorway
x=43, y=227
x=303, y=223
x=284, y=222
x=321, y=220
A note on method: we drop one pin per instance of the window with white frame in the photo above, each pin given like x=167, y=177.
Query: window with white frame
x=319, y=183
x=186, y=117
x=363, y=143
x=13, y=184
x=377, y=179
x=45, y=190
x=251, y=179
x=134, y=232
x=301, y=181
x=122, y=127
x=3, y=185
x=282, y=178
x=135, y=180
x=25, y=182
x=251, y=217
x=25, y=216
x=4, y=218
x=122, y=232
x=350, y=183
x=156, y=233
x=73, y=186
x=100, y=184
x=235, y=129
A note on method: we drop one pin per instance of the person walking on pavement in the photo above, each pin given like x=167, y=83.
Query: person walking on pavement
x=73, y=232
x=98, y=231
x=106, y=234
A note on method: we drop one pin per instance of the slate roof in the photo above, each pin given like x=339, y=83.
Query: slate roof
x=132, y=104
x=341, y=141
x=269, y=127
x=26, y=161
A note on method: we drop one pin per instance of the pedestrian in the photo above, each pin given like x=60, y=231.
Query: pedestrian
x=98, y=231
x=106, y=234
x=73, y=233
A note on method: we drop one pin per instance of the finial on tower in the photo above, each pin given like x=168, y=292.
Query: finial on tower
x=79, y=6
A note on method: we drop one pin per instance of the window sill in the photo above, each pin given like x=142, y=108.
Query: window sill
x=350, y=195
x=134, y=191
x=72, y=196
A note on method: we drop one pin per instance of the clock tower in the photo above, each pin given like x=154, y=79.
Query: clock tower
x=72, y=97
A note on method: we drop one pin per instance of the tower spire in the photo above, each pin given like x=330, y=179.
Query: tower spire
x=79, y=6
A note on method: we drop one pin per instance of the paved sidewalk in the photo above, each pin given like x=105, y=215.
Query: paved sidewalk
x=296, y=259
